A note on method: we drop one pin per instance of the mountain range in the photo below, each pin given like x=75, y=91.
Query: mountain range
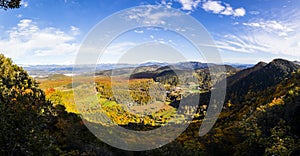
x=260, y=77
x=46, y=70
x=260, y=115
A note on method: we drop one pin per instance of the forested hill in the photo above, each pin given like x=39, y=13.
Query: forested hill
x=259, y=78
x=24, y=111
x=31, y=125
x=262, y=114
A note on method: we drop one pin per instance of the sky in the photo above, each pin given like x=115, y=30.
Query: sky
x=244, y=31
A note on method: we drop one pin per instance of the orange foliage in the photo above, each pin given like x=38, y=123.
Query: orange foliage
x=49, y=91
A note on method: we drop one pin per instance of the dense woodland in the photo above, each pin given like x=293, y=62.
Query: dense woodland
x=261, y=114
x=261, y=119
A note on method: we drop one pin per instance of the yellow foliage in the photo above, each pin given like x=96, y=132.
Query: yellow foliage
x=275, y=102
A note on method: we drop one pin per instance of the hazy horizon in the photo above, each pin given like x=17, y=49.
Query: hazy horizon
x=225, y=63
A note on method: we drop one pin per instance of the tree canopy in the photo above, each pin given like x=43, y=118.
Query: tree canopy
x=24, y=112
x=10, y=4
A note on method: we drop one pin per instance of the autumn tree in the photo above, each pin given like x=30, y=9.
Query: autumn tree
x=25, y=114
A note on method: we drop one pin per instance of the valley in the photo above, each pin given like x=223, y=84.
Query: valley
x=260, y=115
x=256, y=101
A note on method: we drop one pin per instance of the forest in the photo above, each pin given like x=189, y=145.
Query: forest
x=40, y=115
x=260, y=114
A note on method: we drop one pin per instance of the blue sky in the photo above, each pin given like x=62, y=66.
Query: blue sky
x=245, y=31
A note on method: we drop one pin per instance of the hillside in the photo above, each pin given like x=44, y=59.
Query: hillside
x=184, y=73
x=263, y=121
x=260, y=115
x=32, y=125
x=259, y=78
x=25, y=113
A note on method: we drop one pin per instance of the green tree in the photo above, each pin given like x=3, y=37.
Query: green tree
x=25, y=114
x=10, y=4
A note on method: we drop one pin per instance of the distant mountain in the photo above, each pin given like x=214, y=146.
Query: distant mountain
x=165, y=72
x=120, y=68
x=259, y=77
x=154, y=64
x=297, y=62
x=240, y=66
x=192, y=65
x=108, y=66
x=261, y=111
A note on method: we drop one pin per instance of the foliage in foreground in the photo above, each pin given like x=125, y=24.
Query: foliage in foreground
x=31, y=125
x=265, y=123
x=10, y=4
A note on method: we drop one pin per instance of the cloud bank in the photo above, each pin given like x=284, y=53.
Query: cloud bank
x=28, y=39
x=215, y=7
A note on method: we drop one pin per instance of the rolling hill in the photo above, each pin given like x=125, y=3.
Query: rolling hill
x=259, y=77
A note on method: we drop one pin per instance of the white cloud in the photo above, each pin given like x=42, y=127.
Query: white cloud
x=213, y=6
x=167, y=4
x=269, y=36
x=240, y=43
x=225, y=10
x=148, y=15
x=271, y=26
x=119, y=48
x=24, y=4
x=261, y=42
x=19, y=15
x=29, y=40
x=74, y=30
x=217, y=7
x=189, y=4
x=254, y=12
x=139, y=31
x=239, y=12
x=264, y=37
x=115, y=51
